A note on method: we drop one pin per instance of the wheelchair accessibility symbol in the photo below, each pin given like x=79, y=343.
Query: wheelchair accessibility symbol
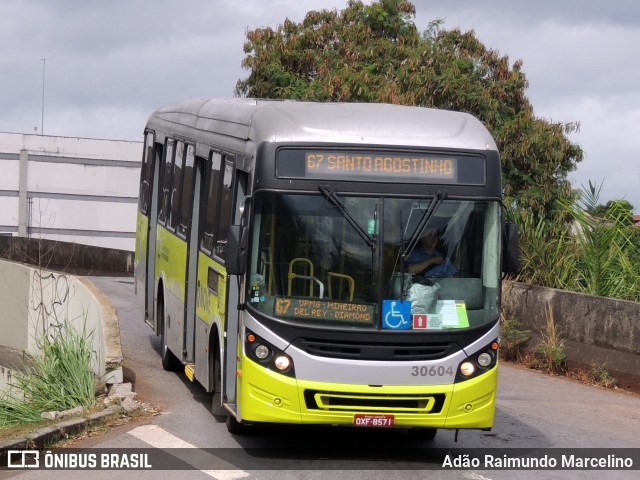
x=396, y=315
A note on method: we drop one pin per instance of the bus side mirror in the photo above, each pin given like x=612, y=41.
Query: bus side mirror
x=237, y=240
x=510, y=248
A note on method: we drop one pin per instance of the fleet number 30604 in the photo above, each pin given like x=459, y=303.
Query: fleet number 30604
x=433, y=371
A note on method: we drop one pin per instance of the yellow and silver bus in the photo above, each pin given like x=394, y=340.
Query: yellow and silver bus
x=278, y=257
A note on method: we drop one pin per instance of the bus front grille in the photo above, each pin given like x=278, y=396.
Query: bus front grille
x=376, y=351
x=387, y=403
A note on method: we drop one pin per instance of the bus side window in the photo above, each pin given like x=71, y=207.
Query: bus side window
x=158, y=153
x=145, y=174
x=226, y=207
x=242, y=180
x=211, y=205
x=184, y=218
x=176, y=184
x=165, y=182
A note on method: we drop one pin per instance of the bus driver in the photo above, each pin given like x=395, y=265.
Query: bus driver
x=427, y=261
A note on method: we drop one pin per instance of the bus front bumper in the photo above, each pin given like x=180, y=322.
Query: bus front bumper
x=266, y=396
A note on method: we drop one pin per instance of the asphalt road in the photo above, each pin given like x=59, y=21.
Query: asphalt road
x=534, y=411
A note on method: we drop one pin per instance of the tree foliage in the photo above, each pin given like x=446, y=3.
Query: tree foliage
x=375, y=53
x=598, y=255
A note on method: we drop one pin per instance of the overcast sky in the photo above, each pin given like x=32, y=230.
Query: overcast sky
x=109, y=64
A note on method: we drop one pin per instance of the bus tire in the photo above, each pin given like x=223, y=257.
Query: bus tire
x=423, y=434
x=170, y=363
x=234, y=427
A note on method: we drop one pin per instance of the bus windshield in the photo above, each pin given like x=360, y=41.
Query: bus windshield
x=373, y=262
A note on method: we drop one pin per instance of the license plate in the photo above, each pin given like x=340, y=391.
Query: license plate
x=366, y=420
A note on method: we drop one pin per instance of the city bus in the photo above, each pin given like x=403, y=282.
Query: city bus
x=275, y=260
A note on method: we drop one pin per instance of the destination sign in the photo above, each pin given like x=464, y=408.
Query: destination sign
x=324, y=310
x=381, y=166
x=327, y=165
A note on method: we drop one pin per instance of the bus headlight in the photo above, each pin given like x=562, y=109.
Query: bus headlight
x=262, y=352
x=479, y=363
x=467, y=369
x=282, y=363
x=268, y=356
x=485, y=359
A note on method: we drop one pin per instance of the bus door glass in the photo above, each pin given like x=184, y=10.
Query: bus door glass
x=147, y=218
x=165, y=182
x=188, y=227
x=232, y=322
x=153, y=235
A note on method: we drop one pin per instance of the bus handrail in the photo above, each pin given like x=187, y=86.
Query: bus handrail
x=292, y=275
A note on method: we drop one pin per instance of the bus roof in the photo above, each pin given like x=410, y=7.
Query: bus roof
x=257, y=121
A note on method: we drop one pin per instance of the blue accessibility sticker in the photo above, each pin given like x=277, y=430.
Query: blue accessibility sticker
x=396, y=314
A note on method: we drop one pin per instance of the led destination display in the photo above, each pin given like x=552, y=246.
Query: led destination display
x=324, y=310
x=318, y=164
x=395, y=167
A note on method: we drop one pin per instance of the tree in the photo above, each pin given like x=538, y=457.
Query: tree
x=374, y=53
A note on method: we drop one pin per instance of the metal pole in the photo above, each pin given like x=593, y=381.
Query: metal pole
x=44, y=63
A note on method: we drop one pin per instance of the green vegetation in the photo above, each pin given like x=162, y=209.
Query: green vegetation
x=604, y=245
x=550, y=354
x=581, y=252
x=601, y=377
x=512, y=339
x=60, y=379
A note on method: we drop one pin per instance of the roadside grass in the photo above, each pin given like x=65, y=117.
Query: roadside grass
x=550, y=353
x=597, y=376
x=59, y=379
x=513, y=340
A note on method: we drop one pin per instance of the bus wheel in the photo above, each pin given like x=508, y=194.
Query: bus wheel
x=234, y=427
x=169, y=361
x=424, y=434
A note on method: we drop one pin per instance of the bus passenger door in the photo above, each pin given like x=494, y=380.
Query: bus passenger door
x=194, y=172
x=146, y=234
x=153, y=235
x=233, y=325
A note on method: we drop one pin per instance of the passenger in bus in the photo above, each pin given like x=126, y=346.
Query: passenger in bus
x=427, y=261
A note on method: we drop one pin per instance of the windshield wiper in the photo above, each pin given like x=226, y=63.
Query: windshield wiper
x=426, y=216
x=336, y=202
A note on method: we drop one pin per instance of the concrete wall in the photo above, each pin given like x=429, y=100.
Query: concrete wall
x=70, y=189
x=597, y=331
x=31, y=300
